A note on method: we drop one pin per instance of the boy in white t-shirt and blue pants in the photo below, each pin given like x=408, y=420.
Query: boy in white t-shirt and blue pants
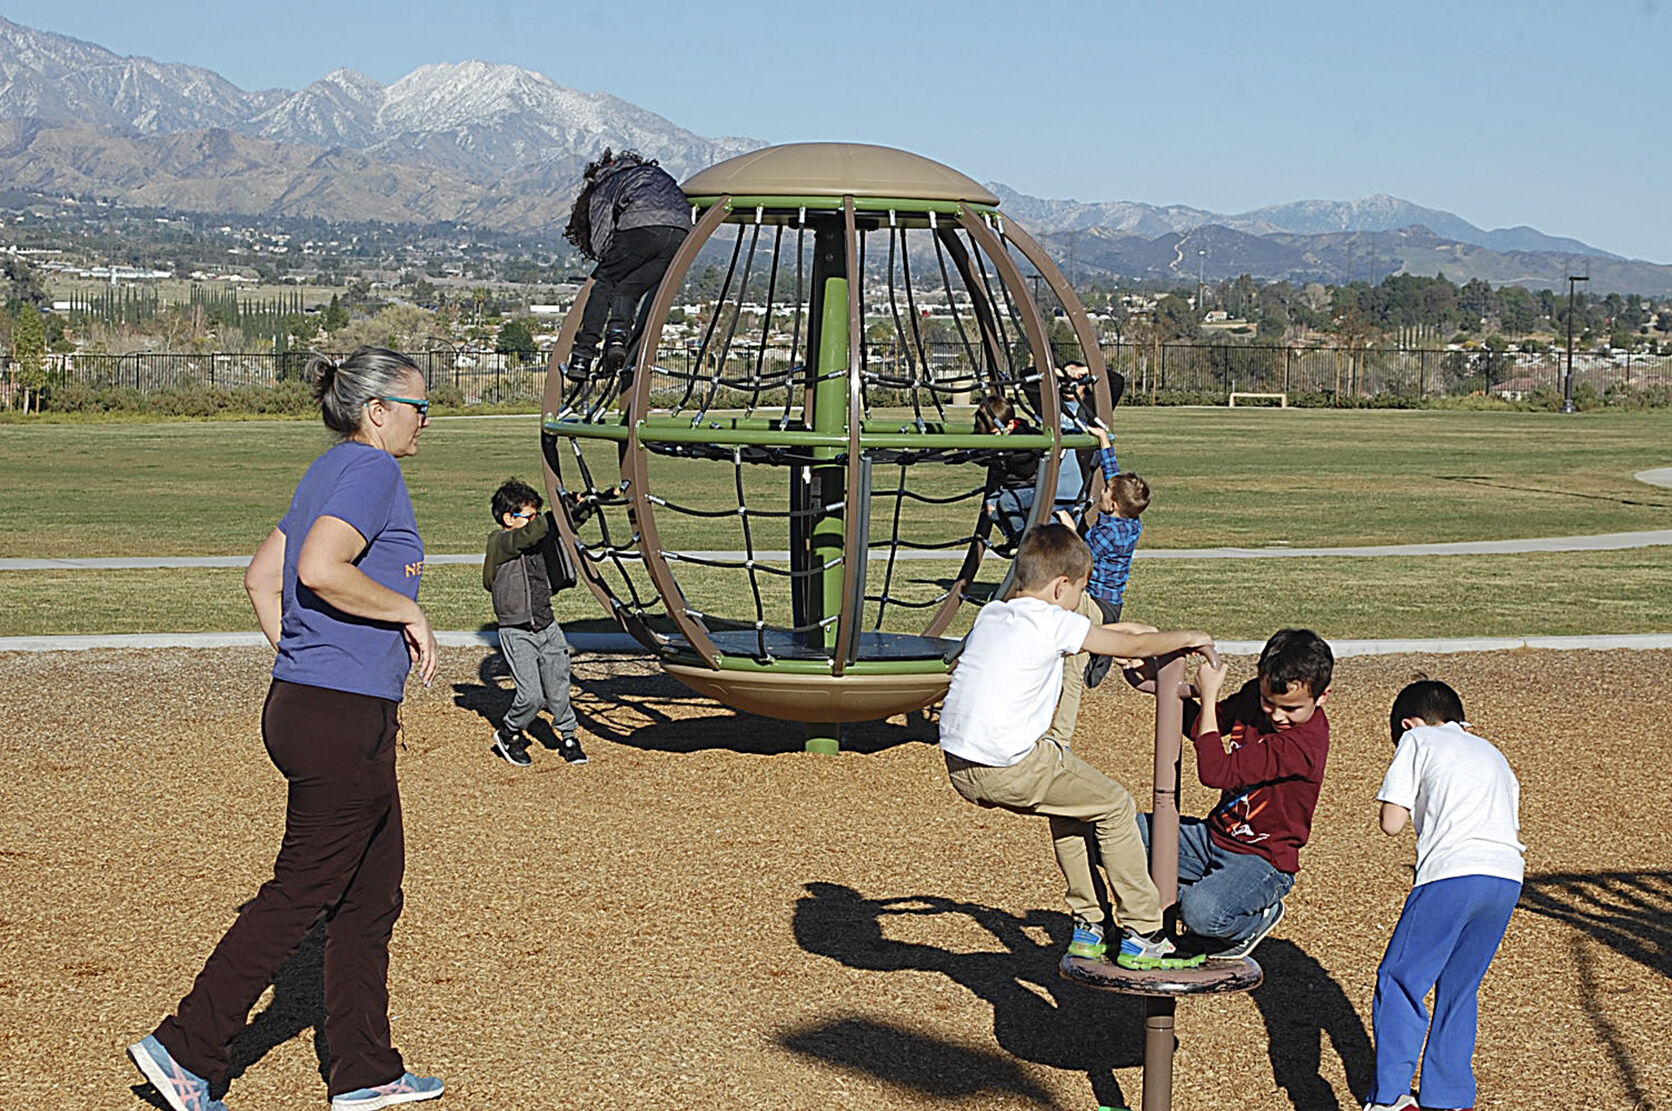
x=993, y=728
x=1459, y=792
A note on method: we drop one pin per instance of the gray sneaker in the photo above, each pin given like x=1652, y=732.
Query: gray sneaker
x=1153, y=951
x=1271, y=917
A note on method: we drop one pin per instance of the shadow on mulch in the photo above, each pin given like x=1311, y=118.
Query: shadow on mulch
x=1037, y=1015
x=298, y=1004
x=1629, y=913
x=651, y=710
x=1041, y=1018
x=1302, y=1005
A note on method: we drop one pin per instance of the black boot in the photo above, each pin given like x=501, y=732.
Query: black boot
x=1117, y=387
x=615, y=349
x=579, y=368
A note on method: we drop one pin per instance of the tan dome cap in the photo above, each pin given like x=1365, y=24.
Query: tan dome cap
x=835, y=170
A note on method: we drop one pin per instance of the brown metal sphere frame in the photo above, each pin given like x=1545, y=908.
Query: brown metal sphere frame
x=799, y=695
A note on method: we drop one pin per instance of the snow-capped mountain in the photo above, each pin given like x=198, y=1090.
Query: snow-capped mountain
x=478, y=142
x=476, y=120
x=57, y=78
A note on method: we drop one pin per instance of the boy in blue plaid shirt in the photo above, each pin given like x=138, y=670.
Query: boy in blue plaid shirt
x=1112, y=539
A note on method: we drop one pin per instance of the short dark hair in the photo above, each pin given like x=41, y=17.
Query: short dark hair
x=1297, y=656
x=1050, y=550
x=1131, y=494
x=995, y=411
x=1429, y=699
x=511, y=496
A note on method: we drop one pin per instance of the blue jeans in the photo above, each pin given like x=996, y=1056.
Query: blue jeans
x=1071, y=481
x=1447, y=934
x=1010, y=509
x=1222, y=894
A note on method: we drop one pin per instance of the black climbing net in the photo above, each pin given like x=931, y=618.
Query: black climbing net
x=730, y=479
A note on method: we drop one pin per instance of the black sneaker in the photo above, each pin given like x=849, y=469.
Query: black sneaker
x=512, y=749
x=615, y=351
x=1096, y=668
x=570, y=749
x=579, y=368
x=1117, y=387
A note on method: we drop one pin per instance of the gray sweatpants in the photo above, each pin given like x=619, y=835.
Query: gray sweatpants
x=540, y=665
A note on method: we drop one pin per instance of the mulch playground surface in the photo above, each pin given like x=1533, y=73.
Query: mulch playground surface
x=705, y=917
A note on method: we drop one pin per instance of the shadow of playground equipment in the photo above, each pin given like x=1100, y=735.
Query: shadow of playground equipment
x=649, y=709
x=1628, y=912
x=1042, y=1018
x=1037, y=1016
x=912, y=1060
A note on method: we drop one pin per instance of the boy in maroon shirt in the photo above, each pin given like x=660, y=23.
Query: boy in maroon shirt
x=1264, y=748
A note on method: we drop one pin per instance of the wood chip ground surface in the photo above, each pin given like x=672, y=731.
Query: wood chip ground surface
x=705, y=917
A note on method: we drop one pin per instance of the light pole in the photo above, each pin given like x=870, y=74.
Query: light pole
x=1567, y=388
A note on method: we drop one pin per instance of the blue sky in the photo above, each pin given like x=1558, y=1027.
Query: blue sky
x=1505, y=112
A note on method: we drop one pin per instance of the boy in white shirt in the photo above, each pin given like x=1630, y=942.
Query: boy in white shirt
x=993, y=733
x=1459, y=792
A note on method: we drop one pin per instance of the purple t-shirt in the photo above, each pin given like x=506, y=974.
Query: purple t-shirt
x=318, y=644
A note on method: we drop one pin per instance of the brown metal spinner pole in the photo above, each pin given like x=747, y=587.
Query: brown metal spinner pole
x=1159, y=1039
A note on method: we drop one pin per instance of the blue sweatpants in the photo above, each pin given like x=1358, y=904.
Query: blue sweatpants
x=1446, y=936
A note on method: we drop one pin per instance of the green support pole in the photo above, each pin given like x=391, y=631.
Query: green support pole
x=830, y=415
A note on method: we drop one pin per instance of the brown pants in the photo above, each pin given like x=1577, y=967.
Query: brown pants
x=1084, y=806
x=343, y=855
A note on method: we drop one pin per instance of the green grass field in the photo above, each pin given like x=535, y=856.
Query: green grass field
x=1221, y=477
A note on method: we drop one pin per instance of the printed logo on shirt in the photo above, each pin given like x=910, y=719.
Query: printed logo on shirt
x=413, y=570
x=1236, y=814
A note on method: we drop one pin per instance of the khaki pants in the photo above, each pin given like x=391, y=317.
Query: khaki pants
x=1084, y=806
x=1073, y=682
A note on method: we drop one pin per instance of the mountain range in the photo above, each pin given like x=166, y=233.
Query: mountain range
x=501, y=147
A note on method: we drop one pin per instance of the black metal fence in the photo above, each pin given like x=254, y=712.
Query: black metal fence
x=1356, y=376
x=1164, y=372
x=478, y=376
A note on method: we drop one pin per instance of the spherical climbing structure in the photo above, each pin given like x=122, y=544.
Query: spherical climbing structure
x=781, y=495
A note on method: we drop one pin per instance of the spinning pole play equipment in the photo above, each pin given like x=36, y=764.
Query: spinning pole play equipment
x=1164, y=677
x=803, y=304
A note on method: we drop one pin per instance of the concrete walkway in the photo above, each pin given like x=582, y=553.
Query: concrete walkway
x=1660, y=476
x=622, y=644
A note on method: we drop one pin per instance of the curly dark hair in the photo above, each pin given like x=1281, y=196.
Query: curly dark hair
x=511, y=496
x=579, y=230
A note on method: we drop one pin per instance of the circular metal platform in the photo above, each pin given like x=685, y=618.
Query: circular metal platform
x=821, y=698
x=1210, y=978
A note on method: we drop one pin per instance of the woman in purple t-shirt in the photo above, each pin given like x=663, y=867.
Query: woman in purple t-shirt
x=335, y=587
